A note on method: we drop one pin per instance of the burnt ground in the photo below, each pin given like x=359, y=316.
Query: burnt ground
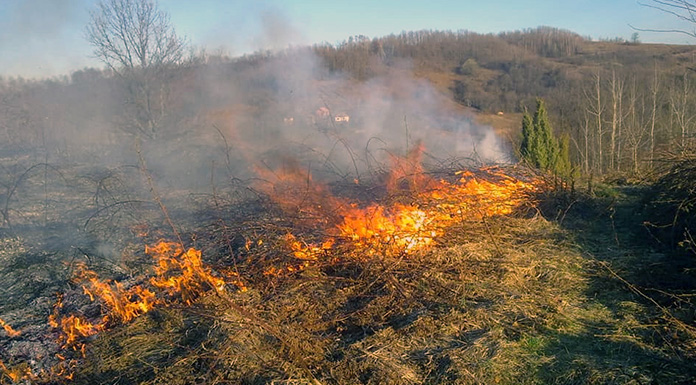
x=573, y=293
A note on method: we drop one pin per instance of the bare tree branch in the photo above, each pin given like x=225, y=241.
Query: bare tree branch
x=137, y=41
x=129, y=34
x=681, y=9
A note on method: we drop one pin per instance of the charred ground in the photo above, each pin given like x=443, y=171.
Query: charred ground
x=573, y=285
x=562, y=290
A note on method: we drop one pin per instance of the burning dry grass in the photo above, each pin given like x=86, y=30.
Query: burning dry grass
x=438, y=280
x=465, y=313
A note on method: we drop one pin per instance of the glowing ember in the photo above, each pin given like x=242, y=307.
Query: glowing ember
x=305, y=251
x=9, y=330
x=21, y=372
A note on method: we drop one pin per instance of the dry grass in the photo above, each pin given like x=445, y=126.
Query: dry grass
x=512, y=300
x=467, y=312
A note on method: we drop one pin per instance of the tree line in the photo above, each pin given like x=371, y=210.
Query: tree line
x=618, y=104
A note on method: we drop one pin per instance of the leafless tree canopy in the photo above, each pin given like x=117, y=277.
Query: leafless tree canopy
x=133, y=34
x=682, y=9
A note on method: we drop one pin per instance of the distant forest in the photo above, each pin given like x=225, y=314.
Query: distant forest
x=622, y=103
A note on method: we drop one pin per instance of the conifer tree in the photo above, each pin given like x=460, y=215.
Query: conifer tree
x=526, y=149
x=546, y=145
x=540, y=148
x=563, y=167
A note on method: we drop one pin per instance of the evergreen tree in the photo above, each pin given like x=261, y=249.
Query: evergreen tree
x=563, y=167
x=526, y=149
x=545, y=143
x=540, y=148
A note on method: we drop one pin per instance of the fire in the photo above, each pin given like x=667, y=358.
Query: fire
x=407, y=172
x=20, y=372
x=405, y=228
x=122, y=304
x=376, y=228
x=424, y=209
x=9, y=330
x=399, y=228
x=308, y=251
x=177, y=274
x=182, y=272
x=297, y=194
x=77, y=327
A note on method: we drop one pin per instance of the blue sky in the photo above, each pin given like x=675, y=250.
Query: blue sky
x=40, y=38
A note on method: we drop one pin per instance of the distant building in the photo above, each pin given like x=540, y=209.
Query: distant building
x=342, y=118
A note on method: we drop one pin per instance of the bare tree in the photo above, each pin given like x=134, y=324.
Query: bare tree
x=654, y=91
x=637, y=125
x=595, y=107
x=682, y=108
x=617, y=90
x=130, y=34
x=136, y=40
x=682, y=9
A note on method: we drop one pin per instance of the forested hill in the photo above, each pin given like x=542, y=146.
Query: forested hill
x=618, y=100
x=504, y=71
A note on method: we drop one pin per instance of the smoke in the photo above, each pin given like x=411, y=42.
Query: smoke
x=277, y=32
x=337, y=125
x=38, y=37
x=38, y=19
x=228, y=118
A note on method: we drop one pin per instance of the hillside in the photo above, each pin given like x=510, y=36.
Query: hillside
x=353, y=213
x=496, y=293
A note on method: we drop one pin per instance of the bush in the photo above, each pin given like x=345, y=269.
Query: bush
x=671, y=202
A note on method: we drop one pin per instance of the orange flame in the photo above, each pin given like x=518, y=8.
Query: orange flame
x=405, y=228
x=182, y=272
x=399, y=228
x=20, y=372
x=123, y=304
x=9, y=330
x=76, y=327
x=294, y=190
x=407, y=172
x=375, y=228
x=178, y=273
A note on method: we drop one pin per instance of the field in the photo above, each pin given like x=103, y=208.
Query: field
x=354, y=213
x=498, y=275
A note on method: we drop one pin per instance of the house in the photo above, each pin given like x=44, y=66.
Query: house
x=342, y=118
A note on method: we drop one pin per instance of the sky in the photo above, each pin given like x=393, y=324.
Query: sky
x=45, y=38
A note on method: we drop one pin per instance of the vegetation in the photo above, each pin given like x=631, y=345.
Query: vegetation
x=540, y=148
x=590, y=286
x=620, y=104
x=671, y=202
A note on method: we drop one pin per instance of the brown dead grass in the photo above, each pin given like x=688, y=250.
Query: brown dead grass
x=512, y=299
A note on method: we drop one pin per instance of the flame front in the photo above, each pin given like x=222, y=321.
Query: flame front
x=375, y=228
x=177, y=274
x=389, y=230
x=8, y=329
x=122, y=304
x=182, y=272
